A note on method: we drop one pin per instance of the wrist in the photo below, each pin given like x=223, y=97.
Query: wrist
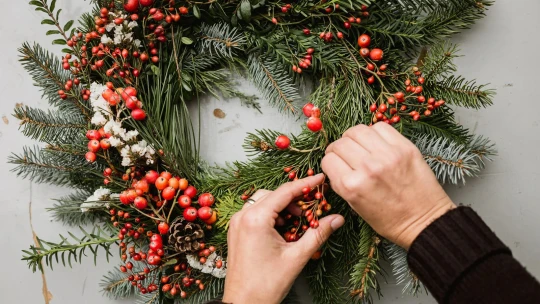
x=411, y=233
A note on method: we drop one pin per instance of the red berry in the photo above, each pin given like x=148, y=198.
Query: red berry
x=131, y=6
x=90, y=157
x=376, y=54
x=205, y=213
x=161, y=183
x=94, y=146
x=140, y=203
x=315, y=112
x=183, y=10
x=399, y=96
x=284, y=9
x=154, y=260
x=306, y=31
x=163, y=228
x=190, y=191
x=371, y=80
x=383, y=108
x=339, y=35
x=105, y=144
x=314, y=124
x=146, y=2
x=190, y=214
x=274, y=21
x=219, y=264
x=364, y=41
x=282, y=142
x=138, y=114
x=206, y=200
x=373, y=108
x=292, y=175
x=310, y=172
x=307, y=109
x=364, y=52
x=93, y=134
x=347, y=25
x=168, y=193
x=310, y=51
x=184, y=201
x=151, y=176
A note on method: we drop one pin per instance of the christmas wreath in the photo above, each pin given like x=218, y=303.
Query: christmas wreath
x=121, y=134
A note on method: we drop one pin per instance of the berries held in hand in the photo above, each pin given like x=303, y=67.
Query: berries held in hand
x=314, y=124
x=282, y=142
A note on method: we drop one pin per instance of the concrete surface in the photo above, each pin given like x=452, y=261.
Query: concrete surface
x=501, y=50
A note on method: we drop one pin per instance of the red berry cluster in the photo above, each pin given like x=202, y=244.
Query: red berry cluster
x=291, y=173
x=304, y=63
x=313, y=113
x=129, y=96
x=164, y=189
x=182, y=277
x=97, y=140
x=313, y=205
x=68, y=86
x=285, y=9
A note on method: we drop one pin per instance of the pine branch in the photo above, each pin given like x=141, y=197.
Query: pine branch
x=439, y=61
x=66, y=249
x=50, y=126
x=401, y=271
x=453, y=161
x=221, y=39
x=56, y=168
x=47, y=73
x=442, y=123
x=68, y=210
x=115, y=284
x=274, y=83
x=363, y=276
x=458, y=91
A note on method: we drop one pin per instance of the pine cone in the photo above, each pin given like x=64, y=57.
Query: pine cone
x=185, y=236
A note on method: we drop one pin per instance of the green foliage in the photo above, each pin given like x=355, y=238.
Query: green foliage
x=50, y=127
x=68, y=210
x=70, y=249
x=221, y=40
x=451, y=161
x=53, y=19
x=400, y=269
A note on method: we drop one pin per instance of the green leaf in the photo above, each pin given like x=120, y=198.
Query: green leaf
x=155, y=69
x=58, y=13
x=53, y=32
x=171, y=262
x=52, y=6
x=245, y=10
x=41, y=9
x=68, y=25
x=186, y=40
x=36, y=3
x=48, y=21
x=67, y=51
x=59, y=42
x=196, y=12
x=234, y=20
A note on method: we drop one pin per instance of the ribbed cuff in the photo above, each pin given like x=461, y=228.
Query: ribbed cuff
x=449, y=247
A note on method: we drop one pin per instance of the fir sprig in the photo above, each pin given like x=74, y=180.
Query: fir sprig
x=70, y=248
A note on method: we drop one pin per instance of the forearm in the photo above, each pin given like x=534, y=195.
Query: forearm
x=460, y=260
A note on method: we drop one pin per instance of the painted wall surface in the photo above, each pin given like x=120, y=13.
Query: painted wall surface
x=501, y=50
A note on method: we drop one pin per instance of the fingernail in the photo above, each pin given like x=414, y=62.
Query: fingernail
x=337, y=223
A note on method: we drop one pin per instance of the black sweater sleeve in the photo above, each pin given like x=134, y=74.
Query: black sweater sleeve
x=460, y=260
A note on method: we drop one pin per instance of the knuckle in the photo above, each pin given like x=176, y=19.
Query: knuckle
x=349, y=185
x=375, y=170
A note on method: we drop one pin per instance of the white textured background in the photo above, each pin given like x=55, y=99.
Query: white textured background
x=501, y=49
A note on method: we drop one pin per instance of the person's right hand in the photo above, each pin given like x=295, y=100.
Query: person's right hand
x=385, y=179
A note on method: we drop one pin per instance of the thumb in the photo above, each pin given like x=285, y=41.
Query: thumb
x=313, y=239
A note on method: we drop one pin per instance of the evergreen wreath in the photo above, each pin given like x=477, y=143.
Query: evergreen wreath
x=122, y=137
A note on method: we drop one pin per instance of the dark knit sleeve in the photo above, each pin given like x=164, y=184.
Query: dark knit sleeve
x=460, y=260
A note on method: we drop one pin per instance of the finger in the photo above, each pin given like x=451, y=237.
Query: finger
x=334, y=166
x=284, y=195
x=389, y=134
x=294, y=209
x=370, y=140
x=313, y=239
x=257, y=197
x=350, y=152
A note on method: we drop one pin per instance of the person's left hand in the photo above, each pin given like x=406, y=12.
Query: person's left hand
x=261, y=265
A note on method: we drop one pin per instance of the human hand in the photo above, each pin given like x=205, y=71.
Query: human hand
x=385, y=179
x=261, y=265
